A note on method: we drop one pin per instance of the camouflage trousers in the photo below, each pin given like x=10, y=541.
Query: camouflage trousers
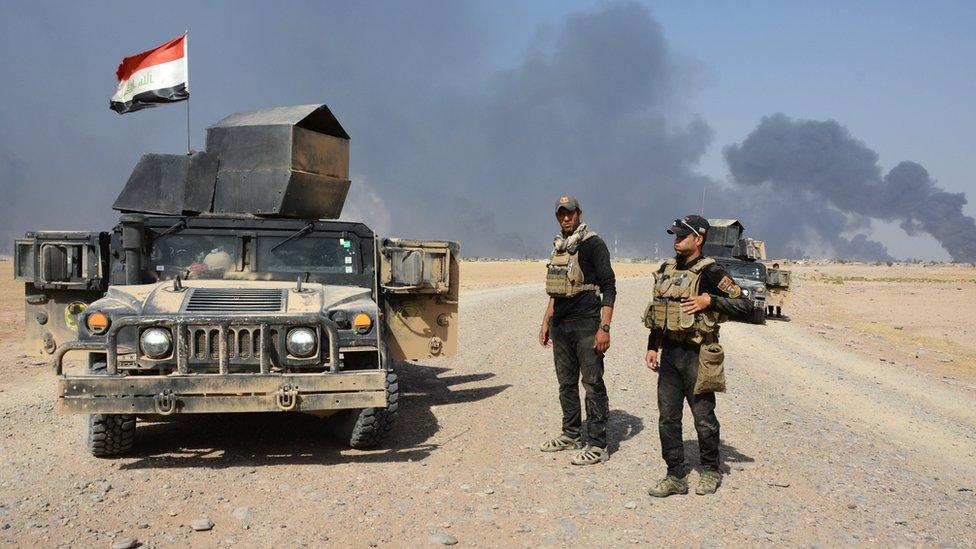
x=675, y=384
x=576, y=360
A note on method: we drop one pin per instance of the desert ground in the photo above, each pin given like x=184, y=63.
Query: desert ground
x=853, y=422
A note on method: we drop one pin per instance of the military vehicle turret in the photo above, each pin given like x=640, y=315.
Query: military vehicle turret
x=228, y=285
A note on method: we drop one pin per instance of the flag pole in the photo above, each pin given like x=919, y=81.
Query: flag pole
x=186, y=57
x=188, y=151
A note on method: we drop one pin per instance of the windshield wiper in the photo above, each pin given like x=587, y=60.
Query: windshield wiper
x=181, y=224
x=298, y=234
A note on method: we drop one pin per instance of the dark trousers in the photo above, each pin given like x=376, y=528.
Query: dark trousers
x=675, y=384
x=576, y=360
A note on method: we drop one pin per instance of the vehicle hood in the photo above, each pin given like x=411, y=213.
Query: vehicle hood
x=161, y=298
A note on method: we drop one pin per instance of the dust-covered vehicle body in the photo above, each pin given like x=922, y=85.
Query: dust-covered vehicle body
x=250, y=300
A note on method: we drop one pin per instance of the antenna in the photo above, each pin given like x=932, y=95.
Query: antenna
x=702, y=211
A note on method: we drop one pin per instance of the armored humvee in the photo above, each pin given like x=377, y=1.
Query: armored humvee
x=741, y=258
x=228, y=285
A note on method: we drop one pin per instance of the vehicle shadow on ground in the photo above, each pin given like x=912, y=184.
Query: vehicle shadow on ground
x=727, y=455
x=621, y=426
x=258, y=439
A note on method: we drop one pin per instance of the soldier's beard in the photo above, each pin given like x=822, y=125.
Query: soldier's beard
x=686, y=256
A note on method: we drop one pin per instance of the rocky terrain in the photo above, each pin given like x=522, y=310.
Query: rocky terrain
x=852, y=423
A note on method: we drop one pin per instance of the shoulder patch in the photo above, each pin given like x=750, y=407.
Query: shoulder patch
x=725, y=283
x=735, y=291
x=729, y=286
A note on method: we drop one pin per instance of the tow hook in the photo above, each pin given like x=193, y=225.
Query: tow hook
x=165, y=403
x=287, y=398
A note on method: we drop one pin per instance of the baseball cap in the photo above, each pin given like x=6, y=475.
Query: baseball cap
x=568, y=202
x=689, y=224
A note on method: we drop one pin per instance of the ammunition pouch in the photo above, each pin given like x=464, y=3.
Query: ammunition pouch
x=711, y=369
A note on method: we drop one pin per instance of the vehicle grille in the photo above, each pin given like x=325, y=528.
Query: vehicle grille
x=241, y=300
x=243, y=344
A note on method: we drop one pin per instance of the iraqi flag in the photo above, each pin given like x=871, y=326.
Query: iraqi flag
x=152, y=77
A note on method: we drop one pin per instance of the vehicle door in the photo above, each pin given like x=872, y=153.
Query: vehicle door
x=418, y=293
x=62, y=272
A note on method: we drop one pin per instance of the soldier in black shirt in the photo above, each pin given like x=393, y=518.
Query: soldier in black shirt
x=577, y=326
x=678, y=362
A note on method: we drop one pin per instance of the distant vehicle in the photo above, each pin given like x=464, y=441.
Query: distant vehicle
x=751, y=277
x=740, y=257
x=228, y=286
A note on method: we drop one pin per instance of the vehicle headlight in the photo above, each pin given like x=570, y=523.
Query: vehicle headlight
x=156, y=342
x=301, y=342
x=745, y=292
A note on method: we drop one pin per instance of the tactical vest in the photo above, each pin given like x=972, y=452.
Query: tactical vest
x=564, y=278
x=664, y=311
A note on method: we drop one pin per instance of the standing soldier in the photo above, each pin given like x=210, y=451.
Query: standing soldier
x=577, y=326
x=692, y=294
x=771, y=309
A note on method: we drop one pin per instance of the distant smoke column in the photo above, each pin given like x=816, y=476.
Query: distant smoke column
x=12, y=182
x=821, y=159
x=911, y=195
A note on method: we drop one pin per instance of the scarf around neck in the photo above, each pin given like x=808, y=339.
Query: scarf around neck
x=571, y=242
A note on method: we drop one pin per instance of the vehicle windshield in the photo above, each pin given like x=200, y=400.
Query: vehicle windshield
x=744, y=269
x=204, y=256
x=312, y=253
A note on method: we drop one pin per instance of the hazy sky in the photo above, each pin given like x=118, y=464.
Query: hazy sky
x=467, y=103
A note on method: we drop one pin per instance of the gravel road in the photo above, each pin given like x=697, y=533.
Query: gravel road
x=820, y=447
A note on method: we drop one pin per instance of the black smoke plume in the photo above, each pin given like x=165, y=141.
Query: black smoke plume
x=818, y=165
x=12, y=181
x=449, y=141
x=595, y=108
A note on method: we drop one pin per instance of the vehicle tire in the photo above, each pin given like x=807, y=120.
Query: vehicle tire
x=759, y=316
x=368, y=427
x=109, y=435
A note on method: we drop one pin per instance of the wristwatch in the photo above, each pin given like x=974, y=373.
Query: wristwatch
x=605, y=328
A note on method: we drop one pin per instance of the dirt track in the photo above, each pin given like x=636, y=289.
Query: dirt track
x=820, y=446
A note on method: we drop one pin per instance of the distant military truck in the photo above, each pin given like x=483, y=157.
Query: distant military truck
x=741, y=258
x=751, y=277
x=228, y=286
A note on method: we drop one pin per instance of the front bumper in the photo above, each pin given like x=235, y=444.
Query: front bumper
x=186, y=391
x=758, y=300
x=208, y=393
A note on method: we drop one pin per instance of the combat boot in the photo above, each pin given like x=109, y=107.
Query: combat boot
x=708, y=482
x=669, y=485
